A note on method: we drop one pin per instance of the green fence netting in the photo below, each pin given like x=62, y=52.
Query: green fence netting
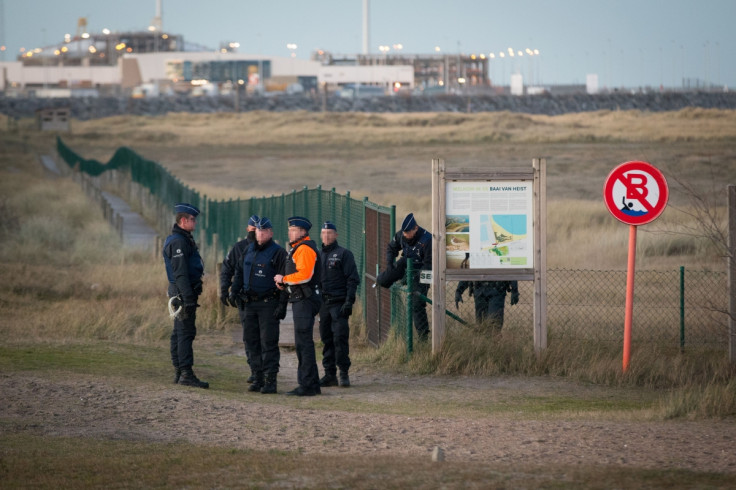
x=671, y=307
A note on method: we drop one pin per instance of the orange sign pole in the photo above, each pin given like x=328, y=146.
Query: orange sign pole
x=629, y=296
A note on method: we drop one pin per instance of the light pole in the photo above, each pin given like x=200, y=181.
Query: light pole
x=502, y=55
x=292, y=47
x=384, y=50
x=492, y=68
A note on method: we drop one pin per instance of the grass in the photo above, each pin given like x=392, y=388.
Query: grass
x=60, y=462
x=696, y=384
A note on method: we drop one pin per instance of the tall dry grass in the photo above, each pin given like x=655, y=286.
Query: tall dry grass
x=694, y=384
x=300, y=128
x=67, y=276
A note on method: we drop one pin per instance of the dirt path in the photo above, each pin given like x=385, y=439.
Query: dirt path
x=110, y=407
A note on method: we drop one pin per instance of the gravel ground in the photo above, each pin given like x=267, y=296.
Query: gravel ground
x=154, y=410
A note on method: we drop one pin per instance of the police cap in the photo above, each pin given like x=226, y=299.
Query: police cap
x=409, y=223
x=264, y=223
x=301, y=222
x=329, y=225
x=187, y=208
x=253, y=220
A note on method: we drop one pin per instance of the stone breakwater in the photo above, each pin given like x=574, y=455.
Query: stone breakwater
x=85, y=108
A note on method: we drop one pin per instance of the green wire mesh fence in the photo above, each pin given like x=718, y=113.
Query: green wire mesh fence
x=670, y=307
x=675, y=308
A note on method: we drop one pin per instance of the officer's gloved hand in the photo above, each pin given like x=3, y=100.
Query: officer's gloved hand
x=346, y=310
x=514, y=297
x=458, y=299
x=280, y=312
x=224, y=300
x=233, y=300
x=176, y=302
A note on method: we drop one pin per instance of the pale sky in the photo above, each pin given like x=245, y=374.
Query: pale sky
x=626, y=42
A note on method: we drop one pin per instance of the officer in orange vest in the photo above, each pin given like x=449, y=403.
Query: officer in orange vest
x=301, y=279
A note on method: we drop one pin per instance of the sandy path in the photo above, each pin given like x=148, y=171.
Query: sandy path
x=109, y=407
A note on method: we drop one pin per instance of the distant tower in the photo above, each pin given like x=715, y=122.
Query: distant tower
x=2, y=32
x=157, y=22
x=366, y=26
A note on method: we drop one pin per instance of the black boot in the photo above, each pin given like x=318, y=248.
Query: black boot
x=301, y=391
x=251, y=378
x=270, y=385
x=329, y=379
x=189, y=379
x=257, y=383
x=344, y=379
x=177, y=375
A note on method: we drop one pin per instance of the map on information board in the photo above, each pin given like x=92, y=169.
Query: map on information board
x=489, y=225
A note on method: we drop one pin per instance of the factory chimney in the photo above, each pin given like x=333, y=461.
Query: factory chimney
x=157, y=22
x=366, y=27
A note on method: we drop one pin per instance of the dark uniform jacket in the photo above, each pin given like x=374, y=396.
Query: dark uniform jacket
x=184, y=267
x=233, y=259
x=419, y=249
x=340, y=277
x=254, y=277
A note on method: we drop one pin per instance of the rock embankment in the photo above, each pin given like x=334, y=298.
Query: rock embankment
x=85, y=108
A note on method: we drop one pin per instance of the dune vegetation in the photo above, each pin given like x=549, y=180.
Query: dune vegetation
x=78, y=307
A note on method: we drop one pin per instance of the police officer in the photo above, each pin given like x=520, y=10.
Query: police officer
x=340, y=281
x=184, y=269
x=490, y=298
x=414, y=242
x=301, y=280
x=233, y=259
x=261, y=304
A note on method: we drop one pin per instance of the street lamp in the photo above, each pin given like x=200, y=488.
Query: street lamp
x=292, y=47
x=384, y=49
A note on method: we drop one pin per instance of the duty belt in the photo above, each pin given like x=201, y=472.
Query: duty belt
x=253, y=297
x=298, y=292
x=331, y=299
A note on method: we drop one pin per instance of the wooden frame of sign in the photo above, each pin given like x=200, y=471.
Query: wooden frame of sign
x=441, y=176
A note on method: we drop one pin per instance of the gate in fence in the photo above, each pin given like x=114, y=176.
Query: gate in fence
x=380, y=223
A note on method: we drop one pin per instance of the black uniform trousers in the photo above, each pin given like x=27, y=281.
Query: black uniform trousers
x=241, y=314
x=182, y=338
x=304, y=312
x=419, y=310
x=490, y=307
x=261, y=337
x=334, y=331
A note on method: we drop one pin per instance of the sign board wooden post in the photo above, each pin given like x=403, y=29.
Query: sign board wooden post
x=488, y=224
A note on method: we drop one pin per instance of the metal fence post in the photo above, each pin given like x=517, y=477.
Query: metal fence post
x=332, y=204
x=682, y=307
x=320, y=215
x=409, y=306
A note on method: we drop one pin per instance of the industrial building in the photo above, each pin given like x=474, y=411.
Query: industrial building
x=154, y=62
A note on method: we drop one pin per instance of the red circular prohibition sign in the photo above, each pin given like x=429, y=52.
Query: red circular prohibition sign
x=634, y=177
